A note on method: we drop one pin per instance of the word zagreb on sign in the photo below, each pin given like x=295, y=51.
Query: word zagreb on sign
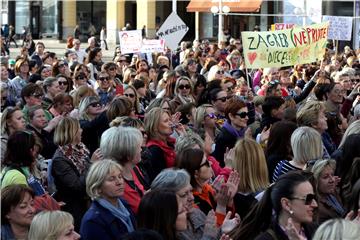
x=285, y=47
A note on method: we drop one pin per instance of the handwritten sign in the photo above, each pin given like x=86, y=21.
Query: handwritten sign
x=282, y=26
x=298, y=45
x=172, y=31
x=340, y=27
x=153, y=45
x=130, y=41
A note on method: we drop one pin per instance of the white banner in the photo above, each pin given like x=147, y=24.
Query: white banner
x=340, y=28
x=130, y=41
x=153, y=45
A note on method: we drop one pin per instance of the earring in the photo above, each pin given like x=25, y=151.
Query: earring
x=291, y=212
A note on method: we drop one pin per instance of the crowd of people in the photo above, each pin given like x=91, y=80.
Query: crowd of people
x=178, y=145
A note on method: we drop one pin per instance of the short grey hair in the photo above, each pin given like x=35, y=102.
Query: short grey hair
x=120, y=143
x=173, y=179
x=188, y=141
x=97, y=175
x=306, y=144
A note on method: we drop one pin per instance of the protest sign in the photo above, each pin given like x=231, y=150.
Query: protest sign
x=153, y=45
x=285, y=47
x=340, y=27
x=130, y=41
x=282, y=26
x=172, y=31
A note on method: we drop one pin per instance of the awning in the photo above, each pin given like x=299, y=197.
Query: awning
x=234, y=5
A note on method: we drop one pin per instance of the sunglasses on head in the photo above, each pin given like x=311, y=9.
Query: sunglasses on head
x=211, y=115
x=206, y=163
x=242, y=114
x=95, y=104
x=181, y=87
x=63, y=83
x=308, y=199
x=104, y=78
x=129, y=95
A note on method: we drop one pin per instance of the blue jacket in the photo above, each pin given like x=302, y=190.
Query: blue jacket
x=99, y=223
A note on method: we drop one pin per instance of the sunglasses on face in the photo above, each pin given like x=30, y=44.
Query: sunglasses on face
x=211, y=115
x=38, y=95
x=206, y=163
x=63, y=64
x=223, y=99
x=81, y=77
x=220, y=72
x=242, y=114
x=273, y=82
x=308, y=199
x=133, y=75
x=182, y=87
x=63, y=83
x=95, y=104
x=129, y=95
x=229, y=89
x=103, y=79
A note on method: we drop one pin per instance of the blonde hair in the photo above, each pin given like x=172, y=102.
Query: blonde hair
x=97, y=175
x=200, y=115
x=306, y=144
x=337, y=229
x=49, y=225
x=250, y=162
x=5, y=117
x=152, y=120
x=319, y=167
x=308, y=115
x=83, y=107
x=81, y=92
x=212, y=72
x=66, y=130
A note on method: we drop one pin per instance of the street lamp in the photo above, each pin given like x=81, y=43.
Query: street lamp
x=220, y=10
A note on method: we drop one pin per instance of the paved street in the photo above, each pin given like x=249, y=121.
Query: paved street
x=59, y=48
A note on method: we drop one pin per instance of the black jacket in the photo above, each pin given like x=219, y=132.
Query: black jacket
x=48, y=145
x=223, y=140
x=274, y=232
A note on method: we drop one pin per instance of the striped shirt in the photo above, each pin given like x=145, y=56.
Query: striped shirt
x=281, y=168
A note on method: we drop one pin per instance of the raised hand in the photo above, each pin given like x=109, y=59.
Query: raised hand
x=292, y=232
x=229, y=224
x=233, y=183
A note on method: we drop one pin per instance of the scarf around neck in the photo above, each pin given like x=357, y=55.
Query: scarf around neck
x=78, y=154
x=237, y=133
x=119, y=212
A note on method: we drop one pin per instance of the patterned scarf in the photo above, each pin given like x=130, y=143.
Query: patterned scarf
x=78, y=154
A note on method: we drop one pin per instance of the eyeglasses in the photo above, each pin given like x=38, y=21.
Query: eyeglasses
x=242, y=114
x=220, y=72
x=211, y=115
x=80, y=77
x=38, y=95
x=206, y=163
x=103, y=79
x=181, y=87
x=95, y=104
x=63, y=83
x=308, y=199
x=129, y=95
x=223, y=99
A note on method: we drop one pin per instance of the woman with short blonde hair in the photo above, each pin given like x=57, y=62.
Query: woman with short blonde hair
x=66, y=131
x=52, y=225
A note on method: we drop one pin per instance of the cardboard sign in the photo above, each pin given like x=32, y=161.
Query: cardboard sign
x=153, y=45
x=282, y=26
x=130, y=41
x=172, y=31
x=288, y=47
x=340, y=28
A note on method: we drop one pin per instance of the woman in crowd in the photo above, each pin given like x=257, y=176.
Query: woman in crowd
x=94, y=63
x=17, y=211
x=161, y=146
x=162, y=103
x=109, y=216
x=70, y=164
x=40, y=127
x=131, y=94
x=22, y=76
x=233, y=129
x=306, y=146
x=205, y=118
x=168, y=77
x=337, y=229
x=292, y=201
x=62, y=105
x=123, y=145
x=278, y=146
x=65, y=83
x=183, y=92
x=218, y=98
x=89, y=108
x=199, y=168
x=329, y=202
x=129, y=75
x=249, y=161
x=12, y=120
x=165, y=218
x=57, y=225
